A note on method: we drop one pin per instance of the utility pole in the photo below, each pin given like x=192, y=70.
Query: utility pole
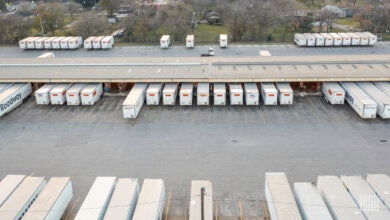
x=42, y=31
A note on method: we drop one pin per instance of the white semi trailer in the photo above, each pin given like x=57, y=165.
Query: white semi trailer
x=52, y=201
x=13, y=96
x=251, y=94
x=384, y=87
x=91, y=93
x=58, y=93
x=219, y=94
x=153, y=93
x=88, y=43
x=236, y=94
x=42, y=95
x=285, y=93
x=134, y=101
x=150, y=205
x=383, y=101
x=170, y=93
x=333, y=93
x=186, y=93
x=197, y=188
x=269, y=93
x=8, y=185
x=381, y=185
x=363, y=105
x=300, y=40
x=73, y=94
x=203, y=94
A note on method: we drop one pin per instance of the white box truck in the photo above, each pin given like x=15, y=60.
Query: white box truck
x=337, y=39
x=310, y=203
x=123, y=200
x=13, y=96
x=364, y=196
x=359, y=100
x=381, y=185
x=153, y=93
x=203, y=94
x=98, y=197
x=58, y=93
x=219, y=94
x=355, y=39
x=251, y=94
x=280, y=199
x=236, y=94
x=346, y=39
x=151, y=200
x=170, y=93
x=190, y=41
x=300, y=40
x=363, y=39
x=186, y=93
x=48, y=43
x=384, y=87
x=52, y=201
x=22, y=198
x=75, y=43
x=97, y=42
x=320, y=40
x=8, y=185
x=285, y=93
x=372, y=39
x=88, y=43
x=65, y=42
x=223, y=41
x=40, y=43
x=269, y=93
x=197, y=187
x=108, y=42
x=42, y=95
x=73, y=94
x=328, y=39
x=134, y=101
x=56, y=43
x=333, y=93
x=310, y=40
x=23, y=43
x=165, y=41
x=91, y=93
x=337, y=199
x=383, y=101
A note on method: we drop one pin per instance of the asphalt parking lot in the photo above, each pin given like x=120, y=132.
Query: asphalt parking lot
x=181, y=51
x=231, y=146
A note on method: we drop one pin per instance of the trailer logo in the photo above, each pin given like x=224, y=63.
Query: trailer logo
x=11, y=101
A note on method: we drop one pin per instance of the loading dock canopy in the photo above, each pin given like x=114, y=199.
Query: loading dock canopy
x=197, y=69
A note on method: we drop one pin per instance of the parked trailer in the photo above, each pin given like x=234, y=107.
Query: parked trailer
x=285, y=93
x=170, y=93
x=56, y=43
x=186, y=93
x=337, y=39
x=236, y=94
x=269, y=93
x=280, y=199
x=23, y=43
x=22, y=198
x=98, y=197
x=88, y=43
x=42, y=95
x=333, y=93
x=8, y=185
x=108, y=42
x=165, y=41
x=328, y=39
x=58, y=93
x=65, y=42
x=153, y=94
x=73, y=94
x=40, y=43
x=4, y=86
x=346, y=39
x=31, y=43
x=310, y=203
x=97, y=42
x=203, y=94
x=91, y=94
x=219, y=94
x=151, y=200
x=355, y=39
x=366, y=199
x=13, y=96
x=381, y=185
x=384, y=87
x=123, y=200
x=372, y=39
x=319, y=40
x=300, y=40
x=52, y=201
x=134, y=101
x=48, y=43
x=75, y=43
x=199, y=187
x=359, y=100
x=251, y=94
x=223, y=41
x=363, y=39
x=382, y=100
x=310, y=40
x=337, y=199
x=190, y=41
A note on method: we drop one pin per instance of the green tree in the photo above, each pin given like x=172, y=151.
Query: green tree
x=86, y=3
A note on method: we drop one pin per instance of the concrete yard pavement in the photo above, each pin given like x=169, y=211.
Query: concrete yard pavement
x=231, y=146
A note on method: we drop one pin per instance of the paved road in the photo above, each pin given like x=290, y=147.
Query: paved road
x=181, y=51
x=231, y=146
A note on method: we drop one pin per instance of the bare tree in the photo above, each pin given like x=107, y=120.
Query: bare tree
x=91, y=24
x=73, y=7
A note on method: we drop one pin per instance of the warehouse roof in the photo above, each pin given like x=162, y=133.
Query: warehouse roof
x=197, y=69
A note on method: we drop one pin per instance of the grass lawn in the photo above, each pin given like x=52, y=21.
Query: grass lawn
x=205, y=33
x=347, y=21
